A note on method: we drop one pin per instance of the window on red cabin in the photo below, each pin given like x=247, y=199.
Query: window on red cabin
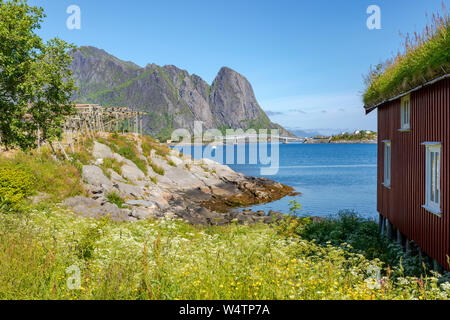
x=405, y=113
x=387, y=163
x=433, y=177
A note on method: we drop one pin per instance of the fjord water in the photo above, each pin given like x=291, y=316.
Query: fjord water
x=330, y=177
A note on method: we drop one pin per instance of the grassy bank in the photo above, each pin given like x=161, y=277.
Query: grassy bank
x=172, y=260
x=43, y=246
x=426, y=56
x=361, y=235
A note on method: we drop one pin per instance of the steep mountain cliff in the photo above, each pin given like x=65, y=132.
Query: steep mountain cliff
x=171, y=97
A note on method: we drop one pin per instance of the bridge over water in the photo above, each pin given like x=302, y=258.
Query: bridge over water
x=255, y=137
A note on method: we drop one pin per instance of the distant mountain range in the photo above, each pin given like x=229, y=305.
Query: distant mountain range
x=171, y=97
x=305, y=133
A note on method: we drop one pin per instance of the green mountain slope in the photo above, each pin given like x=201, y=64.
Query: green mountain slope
x=172, y=97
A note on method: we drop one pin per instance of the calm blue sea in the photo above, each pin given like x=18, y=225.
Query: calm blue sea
x=330, y=177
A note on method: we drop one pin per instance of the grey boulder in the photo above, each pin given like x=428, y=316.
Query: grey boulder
x=101, y=151
x=93, y=175
x=91, y=208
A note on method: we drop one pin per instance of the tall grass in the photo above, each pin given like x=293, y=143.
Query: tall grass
x=425, y=56
x=172, y=260
x=113, y=164
x=149, y=144
x=157, y=169
x=126, y=147
x=361, y=235
x=115, y=198
x=57, y=179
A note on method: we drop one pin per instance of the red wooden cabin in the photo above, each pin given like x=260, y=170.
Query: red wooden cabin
x=414, y=168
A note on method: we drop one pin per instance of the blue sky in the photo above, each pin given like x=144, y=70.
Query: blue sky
x=305, y=59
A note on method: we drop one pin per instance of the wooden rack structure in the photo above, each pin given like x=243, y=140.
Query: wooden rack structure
x=91, y=118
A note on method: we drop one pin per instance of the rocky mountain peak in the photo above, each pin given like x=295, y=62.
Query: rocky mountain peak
x=172, y=97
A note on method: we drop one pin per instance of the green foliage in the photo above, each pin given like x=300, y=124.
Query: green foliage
x=359, y=235
x=223, y=129
x=115, y=198
x=87, y=244
x=126, y=147
x=426, y=57
x=171, y=163
x=127, y=152
x=156, y=168
x=16, y=184
x=361, y=136
x=112, y=164
x=36, y=84
x=59, y=180
x=82, y=156
x=141, y=164
x=260, y=123
x=166, y=132
x=167, y=259
x=162, y=150
x=148, y=144
x=295, y=208
x=154, y=180
x=146, y=148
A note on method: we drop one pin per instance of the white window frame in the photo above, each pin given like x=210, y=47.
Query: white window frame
x=387, y=166
x=405, y=113
x=433, y=192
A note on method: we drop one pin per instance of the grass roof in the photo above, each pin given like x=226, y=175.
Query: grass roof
x=426, y=56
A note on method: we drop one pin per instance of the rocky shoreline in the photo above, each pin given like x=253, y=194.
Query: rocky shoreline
x=200, y=192
x=329, y=141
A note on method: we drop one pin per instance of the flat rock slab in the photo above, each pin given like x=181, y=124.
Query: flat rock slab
x=130, y=191
x=101, y=151
x=141, y=203
x=143, y=213
x=90, y=208
x=93, y=175
x=132, y=172
x=115, y=177
x=178, y=162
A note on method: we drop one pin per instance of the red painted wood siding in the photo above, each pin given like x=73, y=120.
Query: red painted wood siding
x=402, y=203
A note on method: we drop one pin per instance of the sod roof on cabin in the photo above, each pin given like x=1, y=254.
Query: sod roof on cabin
x=426, y=57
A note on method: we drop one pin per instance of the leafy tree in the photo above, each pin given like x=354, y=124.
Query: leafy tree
x=35, y=80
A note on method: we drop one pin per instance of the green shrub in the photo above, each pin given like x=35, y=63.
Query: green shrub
x=131, y=154
x=84, y=157
x=146, y=148
x=127, y=152
x=171, y=163
x=88, y=241
x=361, y=235
x=156, y=169
x=112, y=164
x=16, y=184
x=141, y=164
x=115, y=198
x=58, y=179
x=149, y=144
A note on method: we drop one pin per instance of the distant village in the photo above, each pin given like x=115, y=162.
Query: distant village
x=359, y=136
